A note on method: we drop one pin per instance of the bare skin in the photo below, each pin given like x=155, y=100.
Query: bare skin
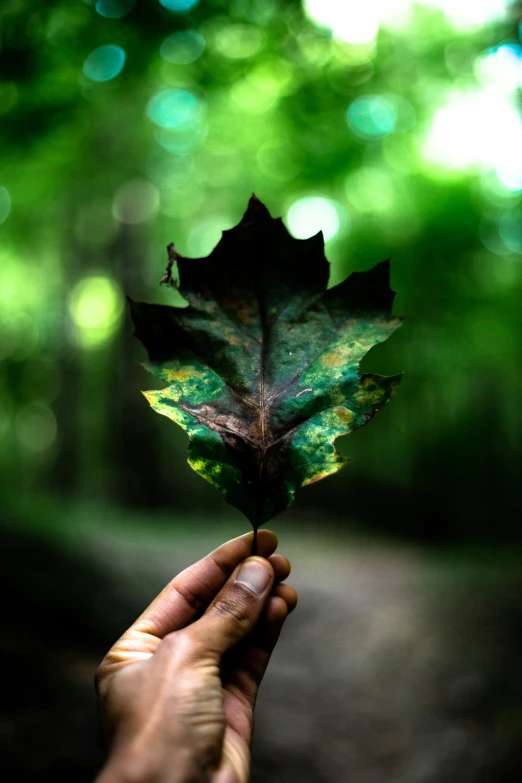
x=177, y=691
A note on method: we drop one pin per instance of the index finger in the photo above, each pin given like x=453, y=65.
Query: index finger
x=183, y=599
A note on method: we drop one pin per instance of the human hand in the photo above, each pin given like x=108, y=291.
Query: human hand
x=177, y=691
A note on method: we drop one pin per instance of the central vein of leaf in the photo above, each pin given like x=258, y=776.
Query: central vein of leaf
x=262, y=314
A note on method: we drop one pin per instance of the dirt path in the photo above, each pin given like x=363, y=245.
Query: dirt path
x=391, y=670
x=396, y=667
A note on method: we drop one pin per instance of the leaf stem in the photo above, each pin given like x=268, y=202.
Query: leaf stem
x=254, y=543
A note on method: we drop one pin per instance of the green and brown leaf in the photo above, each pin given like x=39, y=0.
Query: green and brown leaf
x=262, y=367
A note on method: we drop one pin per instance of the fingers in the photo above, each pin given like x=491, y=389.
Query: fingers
x=236, y=609
x=191, y=591
x=247, y=664
x=248, y=667
x=281, y=566
x=288, y=594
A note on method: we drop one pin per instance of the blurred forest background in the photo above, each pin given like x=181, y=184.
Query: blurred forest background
x=395, y=128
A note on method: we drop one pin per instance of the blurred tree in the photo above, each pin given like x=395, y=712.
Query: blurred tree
x=394, y=127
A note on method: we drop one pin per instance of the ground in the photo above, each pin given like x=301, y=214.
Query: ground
x=400, y=664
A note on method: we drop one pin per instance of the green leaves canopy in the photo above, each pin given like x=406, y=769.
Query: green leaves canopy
x=262, y=366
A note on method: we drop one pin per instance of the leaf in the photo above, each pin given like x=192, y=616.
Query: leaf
x=262, y=367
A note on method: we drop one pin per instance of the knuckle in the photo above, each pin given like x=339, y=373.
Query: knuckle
x=235, y=606
x=187, y=595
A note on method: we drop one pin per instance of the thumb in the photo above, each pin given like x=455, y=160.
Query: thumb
x=236, y=608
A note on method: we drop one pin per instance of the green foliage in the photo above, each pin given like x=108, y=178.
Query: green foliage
x=404, y=146
x=262, y=367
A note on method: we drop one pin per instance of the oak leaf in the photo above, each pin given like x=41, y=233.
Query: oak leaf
x=262, y=367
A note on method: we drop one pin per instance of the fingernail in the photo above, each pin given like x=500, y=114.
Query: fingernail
x=254, y=575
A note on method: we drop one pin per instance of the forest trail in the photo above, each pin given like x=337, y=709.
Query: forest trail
x=398, y=666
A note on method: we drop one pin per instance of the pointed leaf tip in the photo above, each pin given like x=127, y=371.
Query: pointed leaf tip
x=255, y=211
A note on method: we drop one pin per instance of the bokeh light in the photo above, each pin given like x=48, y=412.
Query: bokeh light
x=5, y=204
x=510, y=230
x=180, y=117
x=500, y=67
x=135, y=202
x=104, y=63
x=185, y=140
x=384, y=204
x=395, y=14
x=406, y=116
x=490, y=237
x=205, y=235
x=358, y=23
x=21, y=284
x=477, y=128
x=307, y=216
x=114, y=9
x=96, y=306
x=494, y=191
x=315, y=50
x=398, y=153
x=468, y=15
x=277, y=160
x=173, y=108
x=183, y=204
x=170, y=172
x=370, y=190
x=262, y=86
x=178, y=6
x=350, y=21
x=239, y=41
x=183, y=47
x=372, y=116
x=249, y=99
